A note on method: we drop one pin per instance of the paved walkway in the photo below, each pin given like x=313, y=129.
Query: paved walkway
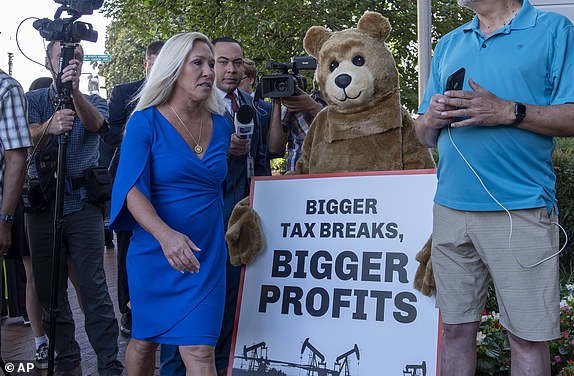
x=17, y=341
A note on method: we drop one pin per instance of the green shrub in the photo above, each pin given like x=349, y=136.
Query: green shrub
x=492, y=347
x=564, y=167
x=278, y=166
x=493, y=350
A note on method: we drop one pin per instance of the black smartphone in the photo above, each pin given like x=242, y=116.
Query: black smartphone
x=456, y=80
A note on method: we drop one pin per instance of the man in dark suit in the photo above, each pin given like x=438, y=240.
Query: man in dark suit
x=247, y=157
x=121, y=105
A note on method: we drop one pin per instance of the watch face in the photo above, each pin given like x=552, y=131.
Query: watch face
x=519, y=111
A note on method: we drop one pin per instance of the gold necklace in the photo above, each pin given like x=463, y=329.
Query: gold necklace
x=197, y=149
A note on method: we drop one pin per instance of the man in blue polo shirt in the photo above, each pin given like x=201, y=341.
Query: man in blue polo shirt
x=495, y=213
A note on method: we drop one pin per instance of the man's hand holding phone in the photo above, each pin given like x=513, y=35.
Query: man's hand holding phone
x=476, y=107
x=440, y=112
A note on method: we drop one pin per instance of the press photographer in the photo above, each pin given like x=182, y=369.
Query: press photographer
x=64, y=124
x=287, y=88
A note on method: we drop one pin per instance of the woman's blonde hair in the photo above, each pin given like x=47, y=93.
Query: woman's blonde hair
x=160, y=83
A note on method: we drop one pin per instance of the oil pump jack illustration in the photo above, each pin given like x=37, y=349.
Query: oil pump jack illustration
x=342, y=362
x=255, y=361
x=317, y=365
x=415, y=369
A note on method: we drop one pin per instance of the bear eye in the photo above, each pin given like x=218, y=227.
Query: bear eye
x=333, y=65
x=359, y=60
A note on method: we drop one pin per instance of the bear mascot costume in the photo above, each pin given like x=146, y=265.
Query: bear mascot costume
x=363, y=128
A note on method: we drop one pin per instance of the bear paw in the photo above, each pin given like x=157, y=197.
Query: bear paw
x=424, y=278
x=244, y=235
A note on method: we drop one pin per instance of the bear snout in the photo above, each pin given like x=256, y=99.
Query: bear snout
x=343, y=80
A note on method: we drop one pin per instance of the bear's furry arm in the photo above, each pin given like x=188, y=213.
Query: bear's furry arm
x=415, y=154
x=302, y=165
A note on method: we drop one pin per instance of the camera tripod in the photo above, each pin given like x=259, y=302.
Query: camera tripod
x=64, y=91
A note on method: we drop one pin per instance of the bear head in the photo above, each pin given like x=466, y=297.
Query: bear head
x=355, y=67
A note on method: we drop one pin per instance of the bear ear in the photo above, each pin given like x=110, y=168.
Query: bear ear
x=314, y=39
x=375, y=25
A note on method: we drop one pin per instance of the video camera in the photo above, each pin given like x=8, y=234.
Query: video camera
x=66, y=30
x=282, y=83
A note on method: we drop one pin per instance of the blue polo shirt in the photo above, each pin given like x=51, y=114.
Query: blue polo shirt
x=530, y=60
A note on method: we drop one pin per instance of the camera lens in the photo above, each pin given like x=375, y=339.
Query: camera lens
x=281, y=86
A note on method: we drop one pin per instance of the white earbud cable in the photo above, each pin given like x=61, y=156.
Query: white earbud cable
x=506, y=210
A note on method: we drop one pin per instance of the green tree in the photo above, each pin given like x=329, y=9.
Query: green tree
x=267, y=29
x=127, y=51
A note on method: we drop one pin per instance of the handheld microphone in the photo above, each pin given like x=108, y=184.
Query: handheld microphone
x=244, y=121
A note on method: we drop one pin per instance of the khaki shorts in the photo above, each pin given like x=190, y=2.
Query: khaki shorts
x=469, y=248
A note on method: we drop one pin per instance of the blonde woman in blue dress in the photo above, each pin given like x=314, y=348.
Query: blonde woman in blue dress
x=168, y=191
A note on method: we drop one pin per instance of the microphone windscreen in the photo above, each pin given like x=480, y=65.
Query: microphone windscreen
x=245, y=114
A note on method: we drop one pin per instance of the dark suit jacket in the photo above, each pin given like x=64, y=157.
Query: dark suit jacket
x=237, y=183
x=121, y=106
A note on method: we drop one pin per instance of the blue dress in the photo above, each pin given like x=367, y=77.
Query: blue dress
x=167, y=306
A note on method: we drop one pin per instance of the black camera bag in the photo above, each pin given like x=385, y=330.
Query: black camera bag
x=46, y=162
x=98, y=182
x=33, y=199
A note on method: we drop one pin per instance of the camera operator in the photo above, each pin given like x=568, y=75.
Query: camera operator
x=248, y=80
x=290, y=126
x=82, y=225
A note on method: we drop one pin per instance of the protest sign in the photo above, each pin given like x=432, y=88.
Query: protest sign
x=332, y=293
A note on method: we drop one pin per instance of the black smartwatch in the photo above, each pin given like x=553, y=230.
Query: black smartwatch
x=7, y=218
x=519, y=113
